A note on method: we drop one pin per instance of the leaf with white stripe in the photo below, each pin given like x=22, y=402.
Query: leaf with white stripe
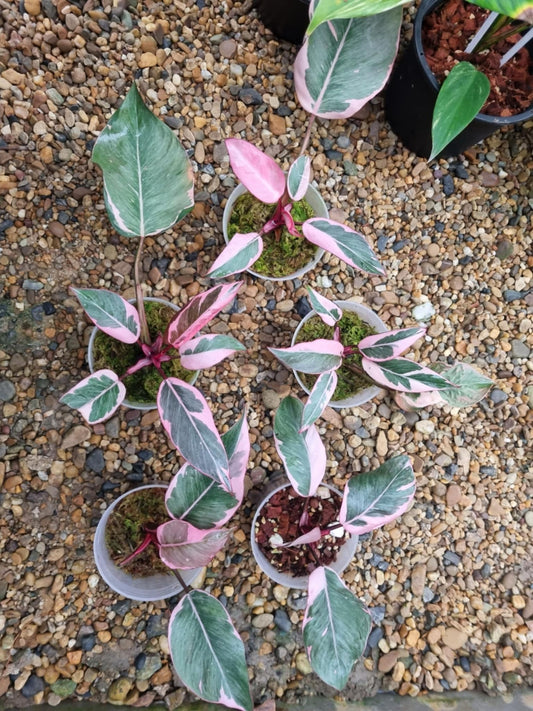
x=299, y=177
x=326, y=10
x=404, y=375
x=519, y=9
x=207, y=652
x=257, y=171
x=335, y=628
x=316, y=356
x=375, y=498
x=184, y=547
x=328, y=311
x=204, y=351
x=148, y=180
x=343, y=242
x=470, y=385
x=418, y=401
x=239, y=254
x=97, y=396
x=319, y=398
x=384, y=346
x=111, y=313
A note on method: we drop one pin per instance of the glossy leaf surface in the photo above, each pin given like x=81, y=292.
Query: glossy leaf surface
x=470, y=385
x=311, y=356
x=326, y=10
x=97, y=396
x=206, y=351
x=328, y=311
x=298, y=178
x=519, y=9
x=257, y=171
x=404, y=375
x=319, y=398
x=184, y=547
x=383, y=346
x=343, y=242
x=111, y=313
x=241, y=252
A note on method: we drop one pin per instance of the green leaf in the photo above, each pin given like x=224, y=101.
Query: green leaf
x=471, y=386
x=148, y=184
x=519, y=9
x=333, y=10
x=461, y=96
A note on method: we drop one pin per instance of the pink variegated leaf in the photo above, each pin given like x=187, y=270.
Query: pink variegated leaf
x=328, y=311
x=239, y=255
x=206, y=351
x=111, y=313
x=319, y=397
x=311, y=537
x=298, y=178
x=236, y=442
x=384, y=346
x=215, y=669
x=97, y=396
x=315, y=357
x=199, y=311
x=375, y=498
x=343, y=242
x=404, y=375
x=417, y=401
x=183, y=546
x=189, y=423
x=257, y=171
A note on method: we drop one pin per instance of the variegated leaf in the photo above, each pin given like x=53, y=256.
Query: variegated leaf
x=375, y=498
x=189, y=423
x=312, y=536
x=236, y=442
x=206, y=351
x=335, y=628
x=299, y=177
x=418, y=401
x=199, y=311
x=257, y=171
x=470, y=385
x=328, y=311
x=207, y=652
x=111, y=313
x=97, y=396
x=316, y=356
x=404, y=375
x=184, y=547
x=326, y=10
x=239, y=255
x=321, y=394
x=519, y=9
x=343, y=242
x=384, y=346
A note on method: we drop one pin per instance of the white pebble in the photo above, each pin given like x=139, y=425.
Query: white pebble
x=422, y=312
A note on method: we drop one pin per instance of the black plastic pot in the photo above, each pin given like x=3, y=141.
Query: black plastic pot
x=411, y=94
x=287, y=19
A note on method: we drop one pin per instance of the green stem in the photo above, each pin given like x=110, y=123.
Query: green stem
x=145, y=333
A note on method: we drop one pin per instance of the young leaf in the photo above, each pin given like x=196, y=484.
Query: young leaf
x=519, y=9
x=184, y=547
x=236, y=442
x=241, y=252
x=418, y=401
x=404, y=375
x=342, y=65
x=207, y=652
x=335, y=628
x=316, y=356
x=470, y=386
x=461, y=96
x=312, y=536
x=373, y=499
x=148, y=181
x=97, y=396
x=329, y=312
x=298, y=178
x=111, y=313
x=384, y=346
x=199, y=311
x=326, y=10
x=257, y=171
x=189, y=423
x=321, y=394
x=303, y=454
x=343, y=242
x=206, y=351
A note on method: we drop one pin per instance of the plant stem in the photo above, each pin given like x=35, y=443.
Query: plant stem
x=145, y=333
x=186, y=588
x=307, y=135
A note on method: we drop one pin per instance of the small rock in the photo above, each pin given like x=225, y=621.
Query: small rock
x=454, y=638
x=302, y=664
x=423, y=312
x=277, y=125
x=382, y=444
x=388, y=661
x=263, y=620
x=505, y=249
x=509, y=580
x=228, y=48
x=498, y=396
x=34, y=685
x=7, y=391
x=119, y=690
x=63, y=687
x=453, y=494
x=95, y=461
x=519, y=349
x=32, y=7
x=426, y=427
x=271, y=399
x=418, y=579
x=76, y=435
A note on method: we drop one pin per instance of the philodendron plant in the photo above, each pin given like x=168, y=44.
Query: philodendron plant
x=264, y=179
x=336, y=623
x=417, y=386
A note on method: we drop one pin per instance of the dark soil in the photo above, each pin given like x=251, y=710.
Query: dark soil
x=281, y=515
x=445, y=35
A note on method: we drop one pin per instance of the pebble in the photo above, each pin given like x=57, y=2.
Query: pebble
x=423, y=312
x=119, y=690
x=454, y=638
x=263, y=620
x=75, y=436
x=426, y=427
x=519, y=349
x=7, y=391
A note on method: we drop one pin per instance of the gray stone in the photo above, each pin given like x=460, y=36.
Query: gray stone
x=519, y=349
x=95, y=461
x=7, y=390
x=498, y=396
x=151, y=665
x=32, y=285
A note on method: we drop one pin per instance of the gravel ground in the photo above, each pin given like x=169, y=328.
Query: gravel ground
x=449, y=584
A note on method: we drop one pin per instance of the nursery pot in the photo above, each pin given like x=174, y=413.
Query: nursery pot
x=287, y=19
x=411, y=95
x=146, y=589
x=300, y=582
x=314, y=199
x=369, y=317
x=134, y=405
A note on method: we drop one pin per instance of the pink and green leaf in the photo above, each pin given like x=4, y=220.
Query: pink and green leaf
x=186, y=417
x=257, y=171
x=207, y=652
x=182, y=546
x=315, y=357
x=404, y=375
x=375, y=498
x=468, y=385
x=236, y=442
x=206, y=351
x=328, y=311
x=298, y=178
x=111, y=313
x=335, y=628
x=384, y=346
x=312, y=536
x=319, y=398
x=327, y=10
x=343, y=242
x=241, y=252
x=418, y=401
x=97, y=396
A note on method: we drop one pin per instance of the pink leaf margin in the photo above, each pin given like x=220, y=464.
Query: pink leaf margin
x=257, y=171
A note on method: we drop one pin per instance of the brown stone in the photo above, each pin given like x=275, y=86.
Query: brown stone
x=277, y=125
x=418, y=580
x=453, y=494
x=454, y=638
x=147, y=59
x=32, y=7
x=228, y=48
x=388, y=661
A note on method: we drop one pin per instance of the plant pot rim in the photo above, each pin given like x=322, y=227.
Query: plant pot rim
x=132, y=404
x=299, y=582
x=147, y=589
x=317, y=203
x=372, y=319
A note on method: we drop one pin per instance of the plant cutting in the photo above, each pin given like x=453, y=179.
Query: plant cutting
x=336, y=624
x=376, y=358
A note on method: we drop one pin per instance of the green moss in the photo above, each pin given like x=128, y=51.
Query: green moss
x=283, y=253
x=352, y=330
x=143, y=385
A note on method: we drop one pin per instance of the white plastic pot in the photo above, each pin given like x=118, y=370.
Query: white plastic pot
x=300, y=582
x=148, y=589
x=132, y=404
x=369, y=317
x=314, y=199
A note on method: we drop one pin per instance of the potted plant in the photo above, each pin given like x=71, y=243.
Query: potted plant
x=375, y=358
x=336, y=624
